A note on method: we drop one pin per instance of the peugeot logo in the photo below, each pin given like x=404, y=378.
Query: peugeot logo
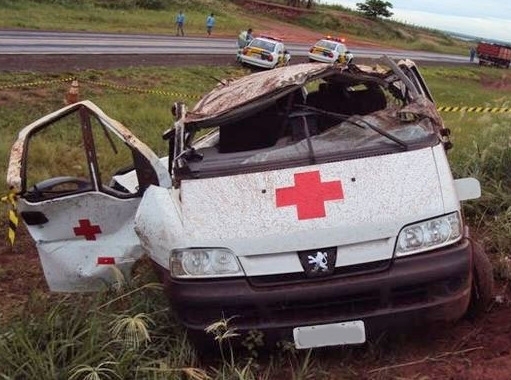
x=320, y=261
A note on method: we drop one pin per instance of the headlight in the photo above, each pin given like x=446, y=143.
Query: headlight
x=429, y=234
x=204, y=262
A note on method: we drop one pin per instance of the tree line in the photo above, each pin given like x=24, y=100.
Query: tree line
x=370, y=8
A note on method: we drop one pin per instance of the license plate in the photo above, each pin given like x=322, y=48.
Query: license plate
x=334, y=334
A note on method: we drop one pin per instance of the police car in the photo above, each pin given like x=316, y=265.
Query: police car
x=328, y=50
x=265, y=52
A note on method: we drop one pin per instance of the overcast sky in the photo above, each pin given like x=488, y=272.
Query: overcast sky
x=480, y=18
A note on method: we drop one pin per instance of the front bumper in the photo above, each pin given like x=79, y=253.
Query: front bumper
x=258, y=62
x=321, y=58
x=434, y=286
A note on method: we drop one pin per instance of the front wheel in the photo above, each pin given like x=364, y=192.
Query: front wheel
x=482, y=283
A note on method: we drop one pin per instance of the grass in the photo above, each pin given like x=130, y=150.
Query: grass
x=105, y=336
x=91, y=16
x=482, y=149
x=127, y=333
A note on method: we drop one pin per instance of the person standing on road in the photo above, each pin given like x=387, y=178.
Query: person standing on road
x=180, y=21
x=472, y=54
x=210, y=23
x=244, y=39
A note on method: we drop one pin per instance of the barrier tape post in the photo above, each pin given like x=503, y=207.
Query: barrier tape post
x=12, y=214
x=72, y=94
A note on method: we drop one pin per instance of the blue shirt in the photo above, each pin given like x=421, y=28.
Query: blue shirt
x=180, y=19
x=210, y=21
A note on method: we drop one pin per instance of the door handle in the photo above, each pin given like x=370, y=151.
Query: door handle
x=33, y=218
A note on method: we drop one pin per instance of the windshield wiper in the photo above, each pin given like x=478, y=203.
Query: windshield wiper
x=377, y=130
x=334, y=115
x=358, y=122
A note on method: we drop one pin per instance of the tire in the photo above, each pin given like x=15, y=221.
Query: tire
x=207, y=348
x=204, y=344
x=482, y=284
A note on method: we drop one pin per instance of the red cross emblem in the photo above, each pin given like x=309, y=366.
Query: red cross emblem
x=106, y=260
x=86, y=229
x=309, y=195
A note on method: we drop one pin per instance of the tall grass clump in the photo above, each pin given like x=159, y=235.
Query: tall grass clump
x=123, y=333
x=488, y=158
x=482, y=149
x=128, y=332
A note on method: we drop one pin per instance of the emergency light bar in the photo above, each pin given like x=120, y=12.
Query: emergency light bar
x=271, y=38
x=336, y=39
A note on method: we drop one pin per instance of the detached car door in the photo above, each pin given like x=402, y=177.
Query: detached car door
x=79, y=216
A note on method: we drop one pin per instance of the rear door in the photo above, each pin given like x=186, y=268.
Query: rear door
x=63, y=166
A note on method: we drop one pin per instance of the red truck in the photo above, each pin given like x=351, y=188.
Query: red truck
x=494, y=54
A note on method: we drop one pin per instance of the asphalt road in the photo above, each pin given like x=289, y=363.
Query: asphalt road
x=81, y=43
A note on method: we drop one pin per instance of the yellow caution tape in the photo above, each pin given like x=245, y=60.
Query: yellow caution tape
x=141, y=90
x=97, y=83
x=474, y=109
x=467, y=109
x=12, y=215
x=34, y=84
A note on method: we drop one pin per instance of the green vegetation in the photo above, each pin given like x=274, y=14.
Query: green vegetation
x=122, y=16
x=482, y=149
x=123, y=333
x=127, y=332
x=375, y=8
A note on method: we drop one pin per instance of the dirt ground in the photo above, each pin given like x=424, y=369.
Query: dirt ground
x=471, y=349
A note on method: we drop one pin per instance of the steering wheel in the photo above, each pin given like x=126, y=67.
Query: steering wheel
x=58, y=185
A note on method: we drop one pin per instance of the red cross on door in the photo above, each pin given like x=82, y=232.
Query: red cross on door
x=309, y=195
x=87, y=229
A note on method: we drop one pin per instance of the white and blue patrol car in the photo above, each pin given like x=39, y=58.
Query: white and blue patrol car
x=329, y=50
x=265, y=52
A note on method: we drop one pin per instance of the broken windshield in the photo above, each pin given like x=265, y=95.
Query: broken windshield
x=317, y=114
x=351, y=135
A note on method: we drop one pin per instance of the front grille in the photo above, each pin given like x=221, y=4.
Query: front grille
x=322, y=309
x=294, y=278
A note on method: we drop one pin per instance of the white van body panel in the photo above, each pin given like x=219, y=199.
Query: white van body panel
x=380, y=195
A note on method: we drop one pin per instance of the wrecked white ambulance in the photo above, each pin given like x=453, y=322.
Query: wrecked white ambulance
x=313, y=201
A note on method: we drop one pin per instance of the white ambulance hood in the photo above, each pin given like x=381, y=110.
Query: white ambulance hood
x=344, y=203
x=312, y=206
